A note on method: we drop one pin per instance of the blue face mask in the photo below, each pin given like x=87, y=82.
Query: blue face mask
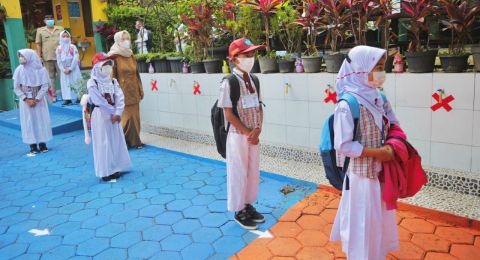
x=50, y=23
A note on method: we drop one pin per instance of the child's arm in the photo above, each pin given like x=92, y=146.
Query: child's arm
x=225, y=102
x=59, y=60
x=119, y=99
x=42, y=92
x=390, y=113
x=18, y=91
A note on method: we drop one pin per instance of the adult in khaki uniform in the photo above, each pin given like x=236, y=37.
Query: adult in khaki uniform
x=125, y=71
x=47, y=39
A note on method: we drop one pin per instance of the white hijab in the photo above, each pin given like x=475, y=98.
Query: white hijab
x=32, y=73
x=117, y=49
x=97, y=74
x=353, y=78
x=65, y=47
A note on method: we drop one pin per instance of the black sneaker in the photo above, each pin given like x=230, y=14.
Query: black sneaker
x=243, y=219
x=115, y=175
x=67, y=102
x=43, y=147
x=33, y=149
x=107, y=179
x=254, y=215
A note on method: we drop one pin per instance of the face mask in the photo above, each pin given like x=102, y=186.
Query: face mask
x=107, y=70
x=65, y=40
x=246, y=64
x=22, y=60
x=378, y=79
x=126, y=44
x=50, y=23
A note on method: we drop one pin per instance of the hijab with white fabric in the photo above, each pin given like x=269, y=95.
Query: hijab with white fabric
x=117, y=48
x=97, y=73
x=32, y=73
x=353, y=78
x=65, y=46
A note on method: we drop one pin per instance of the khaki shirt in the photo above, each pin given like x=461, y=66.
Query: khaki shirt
x=49, y=41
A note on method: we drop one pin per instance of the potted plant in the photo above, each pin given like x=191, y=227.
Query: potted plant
x=384, y=20
x=175, y=60
x=419, y=58
x=194, y=60
x=336, y=17
x=159, y=62
x=142, y=62
x=268, y=62
x=360, y=13
x=460, y=18
x=310, y=22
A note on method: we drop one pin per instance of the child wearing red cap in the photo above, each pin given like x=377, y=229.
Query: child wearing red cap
x=245, y=125
x=110, y=152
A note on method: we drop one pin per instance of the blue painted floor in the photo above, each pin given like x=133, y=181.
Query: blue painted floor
x=171, y=206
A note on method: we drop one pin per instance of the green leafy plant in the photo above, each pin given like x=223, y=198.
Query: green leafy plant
x=80, y=86
x=289, y=34
x=141, y=56
x=336, y=17
x=247, y=24
x=386, y=9
x=200, y=26
x=417, y=11
x=310, y=21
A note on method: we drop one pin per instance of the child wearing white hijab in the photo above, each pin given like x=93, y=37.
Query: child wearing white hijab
x=367, y=230
x=31, y=82
x=67, y=60
x=110, y=152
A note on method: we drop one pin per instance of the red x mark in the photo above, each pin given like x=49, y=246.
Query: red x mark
x=196, y=89
x=442, y=102
x=331, y=96
x=154, y=85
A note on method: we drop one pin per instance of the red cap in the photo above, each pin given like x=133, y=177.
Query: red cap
x=242, y=45
x=98, y=57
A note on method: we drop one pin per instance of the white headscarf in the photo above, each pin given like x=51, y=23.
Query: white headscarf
x=353, y=78
x=117, y=49
x=97, y=74
x=32, y=73
x=65, y=47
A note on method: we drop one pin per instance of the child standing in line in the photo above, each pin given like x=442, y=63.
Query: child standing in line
x=367, y=230
x=31, y=82
x=110, y=152
x=242, y=148
x=67, y=60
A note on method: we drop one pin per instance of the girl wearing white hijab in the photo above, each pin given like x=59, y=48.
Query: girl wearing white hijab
x=67, y=60
x=367, y=230
x=110, y=152
x=31, y=82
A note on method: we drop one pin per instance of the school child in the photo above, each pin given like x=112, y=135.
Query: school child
x=110, y=153
x=31, y=82
x=68, y=65
x=245, y=125
x=367, y=230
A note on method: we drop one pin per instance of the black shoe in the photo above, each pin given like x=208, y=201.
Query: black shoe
x=33, y=149
x=67, y=102
x=43, y=147
x=107, y=179
x=115, y=175
x=243, y=219
x=254, y=215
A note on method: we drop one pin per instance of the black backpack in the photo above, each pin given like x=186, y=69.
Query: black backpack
x=218, y=121
x=150, y=40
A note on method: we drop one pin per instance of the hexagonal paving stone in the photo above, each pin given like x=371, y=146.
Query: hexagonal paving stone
x=110, y=230
x=97, y=203
x=83, y=215
x=66, y=228
x=171, y=189
x=168, y=218
x=286, y=229
x=209, y=189
x=78, y=236
x=137, y=204
x=206, y=235
x=6, y=239
x=124, y=216
x=152, y=211
x=170, y=255
x=23, y=226
x=195, y=211
x=185, y=172
x=231, y=228
x=186, y=194
x=175, y=242
x=197, y=251
x=60, y=202
x=162, y=199
x=218, y=206
x=157, y=232
x=186, y=226
x=44, y=243
x=179, y=180
x=71, y=208
x=126, y=239
x=146, y=194
x=8, y=211
x=213, y=220
x=111, y=193
x=59, y=252
x=134, y=188
x=157, y=184
x=87, y=197
x=13, y=250
x=139, y=224
x=43, y=213
x=284, y=246
x=92, y=246
x=110, y=209
x=112, y=253
x=122, y=198
x=199, y=176
x=418, y=225
x=203, y=199
x=178, y=205
x=193, y=184
x=95, y=222
x=215, y=180
x=144, y=249
x=228, y=245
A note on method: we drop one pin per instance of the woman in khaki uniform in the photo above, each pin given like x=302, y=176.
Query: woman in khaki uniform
x=126, y=72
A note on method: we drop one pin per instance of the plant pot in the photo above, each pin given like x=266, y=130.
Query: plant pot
x=219, y=53
x=197, y=67
x=160, y=65
x=476, y=56
x=389, y=64
x=421, y=62
x=312, y=64
x=213, y=66
x=175, y=64
x=142, y=65
x=268, y=65
x=286, y=66
x=334, y=62
x=454, y=63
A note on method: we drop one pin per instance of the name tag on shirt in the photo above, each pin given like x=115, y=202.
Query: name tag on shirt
x=29, y=95
x=250, y=101
x=108, y=88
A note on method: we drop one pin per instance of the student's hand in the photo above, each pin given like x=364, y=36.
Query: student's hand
x=116, y=118
x=30, y=102
x=254, y=141
x=387, y=154
x=254, y=134
x=66, y=71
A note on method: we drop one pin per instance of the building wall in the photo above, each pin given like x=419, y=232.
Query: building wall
x=444, y=139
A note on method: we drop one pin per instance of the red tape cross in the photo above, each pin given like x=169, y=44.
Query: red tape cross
x=331, y=96
x=196, y=89
x=154, y=85
x=442, y=102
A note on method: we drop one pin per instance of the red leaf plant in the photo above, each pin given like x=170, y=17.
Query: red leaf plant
x=311, y=21
x=417, y=11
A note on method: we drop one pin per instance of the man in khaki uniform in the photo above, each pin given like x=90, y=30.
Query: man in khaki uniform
x=47, y=41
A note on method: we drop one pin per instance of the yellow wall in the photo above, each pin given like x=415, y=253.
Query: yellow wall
x=98, y=8
x=13, y=8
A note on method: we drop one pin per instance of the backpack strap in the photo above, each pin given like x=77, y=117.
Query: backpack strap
x=355, y=110
x=234, y=94
x=256, y=82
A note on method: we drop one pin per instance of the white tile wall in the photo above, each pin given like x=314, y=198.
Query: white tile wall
x=164, y=119
x=460, y=85
x=274, y=111
x=163, y=102
x=413, y=90
x=205, y=125
x=476, y=128
x=389, y=88
x=314, y=142
x=273, y=133
x=298, y=136
x=416, y=122
x=317, y=83
x=189, y=104
x=271, y=86
x=423, y=148
x=297, y=113
x=451, y=156
x=454, y=127
x=298, y=86
x=204, y=104
x=319, y=112
x=477, y=92
x=176, y=105
x=475, y=159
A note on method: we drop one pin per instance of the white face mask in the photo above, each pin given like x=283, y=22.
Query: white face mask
x=246, y=64
x=22, y=60
x=65, y=40
x=126, y=44
x=107, y=70
x=378, y=79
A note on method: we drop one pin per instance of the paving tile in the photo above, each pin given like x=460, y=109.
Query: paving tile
x=152, y=211
x=455, y=235
x=139, y=224
x=144, y=249
x=286, y=229
x=95, y=222
x=87, y=197
x=465, y=251
x=213, y=220
x=175, y=242
x=137, y=204
x=83, y=215
x=416, y=225
x=162, y=199
x=197, y=251
x=255, y=252
x=92, y=246
x=59, y=252
x=110, y=230
x=71, y=208
x=203, y=199
x=195, y=211
x=110, y=209
x=311, y=222
x=439, y=256
x=126, y=239
x=186, y=226
x=170, y=255
x=168, y=218
x=44, y=243
x=430, y=242
x=408, y=250
x=66, y=228
x=112, y=253
x=122, y=198
x=313, y=238
x=13, y=250
x=23, y=226
x=124, y=216
x=228, y=245
x=284, y=246
x=157, y=232
x=147, y=194
x=6, y=239
x=78, y=236
x=97, y=203
x=178, y=205
x=314, y=253
x=206, y=235
x=186, y=194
